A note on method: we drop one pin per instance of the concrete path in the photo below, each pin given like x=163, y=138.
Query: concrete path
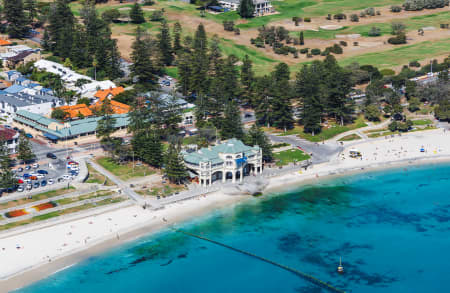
x=123, y=186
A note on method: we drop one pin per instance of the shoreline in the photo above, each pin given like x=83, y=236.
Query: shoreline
x=189, y=209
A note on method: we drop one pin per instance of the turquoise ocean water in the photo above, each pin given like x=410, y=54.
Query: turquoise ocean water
x=391, y=228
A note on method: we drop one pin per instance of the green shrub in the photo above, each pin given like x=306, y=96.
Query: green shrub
x=307, y=19
x=398, y=40
x=374, y=32
x=315, y=51
x=387, y=72
x=396, y=9
x=343, y=43
x=304, y=50
x=354, y=18
x=414, y=63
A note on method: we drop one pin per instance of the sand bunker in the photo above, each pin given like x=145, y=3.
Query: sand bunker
x=350, y=36
x=331, y=27
x=429, y=28
x=124, y=8
x=370, y=44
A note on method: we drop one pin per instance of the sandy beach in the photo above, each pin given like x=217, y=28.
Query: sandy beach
x=30, y=256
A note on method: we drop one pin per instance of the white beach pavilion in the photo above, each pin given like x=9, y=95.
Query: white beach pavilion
x=229, y=160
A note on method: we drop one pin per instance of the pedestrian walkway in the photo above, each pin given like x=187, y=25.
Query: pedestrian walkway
x=123, y=186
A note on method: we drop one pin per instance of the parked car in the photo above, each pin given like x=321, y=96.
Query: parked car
x=43, y=183
x=42, y=172
x=60, y=179
x=33, y=177
x=28, y=135
x=27, y=167
x=29, y=187
x=50, y=181
x=36, y=185
x=35, y=165
x=19, y=170
x=26, y=176
x=51, y=156
x=20, y=189
x=20, y=181
x=28, y=181
x=40, y=176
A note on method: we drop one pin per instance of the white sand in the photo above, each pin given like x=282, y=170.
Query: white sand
x=379, y=153
x=41, y=245
x=45, y=245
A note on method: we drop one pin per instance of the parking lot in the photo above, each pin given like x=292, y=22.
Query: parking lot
x=46, y=172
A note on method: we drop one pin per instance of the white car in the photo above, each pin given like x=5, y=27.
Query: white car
x=20, y=189
x=50, y=181
x=40, y=176
x=35, y=165
x=169, y=78
x=66, y=177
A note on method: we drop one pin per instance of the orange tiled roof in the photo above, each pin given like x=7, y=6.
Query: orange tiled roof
x=101, y=94
x=117, y=107
x=73, y=111
x=4, y=42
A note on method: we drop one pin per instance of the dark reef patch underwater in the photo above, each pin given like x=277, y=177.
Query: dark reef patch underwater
x=391, y=228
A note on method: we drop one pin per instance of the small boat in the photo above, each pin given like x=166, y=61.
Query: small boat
x=340, y=268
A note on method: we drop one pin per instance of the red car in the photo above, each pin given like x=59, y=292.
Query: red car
x=20, y=181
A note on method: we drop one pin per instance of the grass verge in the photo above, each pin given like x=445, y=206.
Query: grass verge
x=290, y=156
x=125, y=171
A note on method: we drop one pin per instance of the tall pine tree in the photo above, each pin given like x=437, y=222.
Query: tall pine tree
x=247, y=80
x=24, y=150
x=281, y=103
x=136, y=14
x=177, y=37
x=246, y=9
x=142, y=67
x=175, y=169
x=231, y=124
x=256, y=136
x=7, y=179
x=165, y=44
x=200, y=64
x=15, y=16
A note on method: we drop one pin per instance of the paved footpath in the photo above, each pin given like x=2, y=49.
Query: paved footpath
x=124, y=187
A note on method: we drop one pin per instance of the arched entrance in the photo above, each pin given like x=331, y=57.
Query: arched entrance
x=216, y=176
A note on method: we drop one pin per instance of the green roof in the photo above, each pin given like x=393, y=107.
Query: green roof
x=232, y=146
x=77, y=127
x=36, y=117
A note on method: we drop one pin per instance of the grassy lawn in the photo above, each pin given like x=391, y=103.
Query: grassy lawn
x=172, y=71
x=62, y=212
x=40, y=196
x=334, y=130
x=290, y=156
x=412, y=24
x=261, y=63
x=422, y=122
x=326, y=133
x=125, y=171
x=401, y=55
x=350, y=137
x=91, y=195
x=161, y=191
x=97, y=177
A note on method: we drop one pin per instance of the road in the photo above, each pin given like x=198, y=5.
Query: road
x=320, y=152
